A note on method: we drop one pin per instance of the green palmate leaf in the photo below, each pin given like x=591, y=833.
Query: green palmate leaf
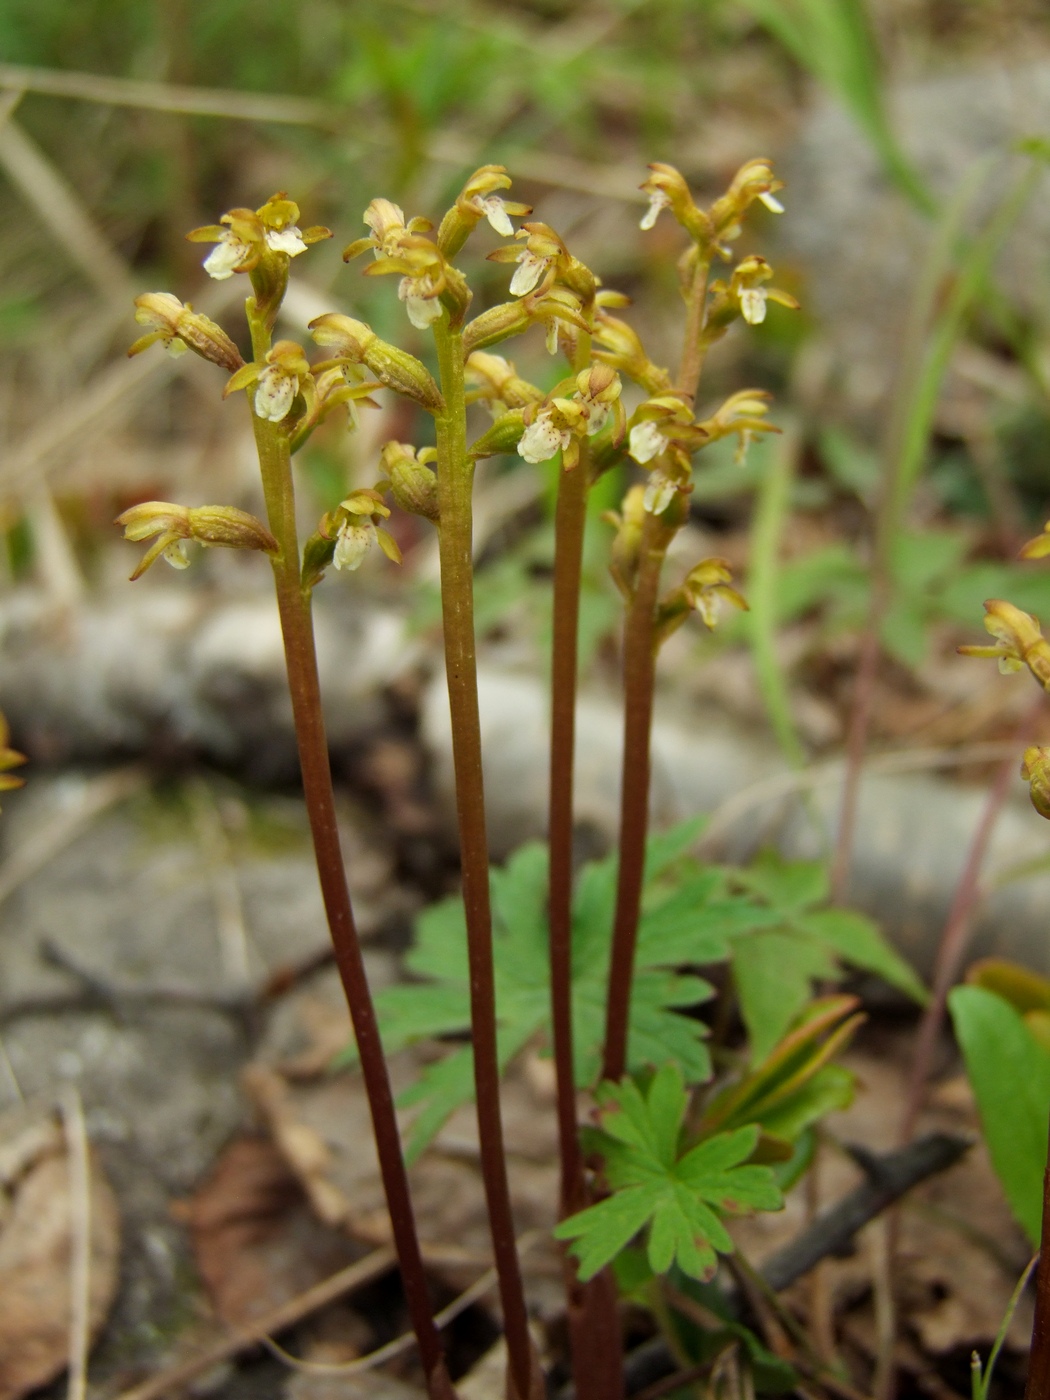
x=678, y=1197
x=789, y=942
x=675, y=931
x=1010, y=1074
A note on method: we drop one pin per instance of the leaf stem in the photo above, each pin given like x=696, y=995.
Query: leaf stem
x=301, y=661
x=455, y=475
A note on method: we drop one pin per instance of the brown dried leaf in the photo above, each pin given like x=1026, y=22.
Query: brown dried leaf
x=35, y=1248
x=255, y=1239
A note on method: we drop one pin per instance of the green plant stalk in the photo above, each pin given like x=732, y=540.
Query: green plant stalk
x=639, y=680
x=774, y=496
x=693, y=346
x=455, y=476
x=293, y=605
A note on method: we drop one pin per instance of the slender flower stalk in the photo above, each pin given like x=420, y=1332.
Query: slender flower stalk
x=455, y=475
x=639, y=681
x=597, y=1344
x=293, y=601
x=711, y=307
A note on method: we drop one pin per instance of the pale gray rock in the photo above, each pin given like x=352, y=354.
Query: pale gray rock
x=913, y=831
x=858, y=242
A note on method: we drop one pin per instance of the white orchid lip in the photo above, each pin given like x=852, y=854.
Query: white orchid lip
x=286, y=240
x=274, y=394
x=645, y=442
x=352, y=544
x=659, y=492
x=421, y=302
x=771, y=202
x=494, y=209
x=753, y=305
x=527, y=274
x=541, y=439
x=658, y=200
x=225, y=258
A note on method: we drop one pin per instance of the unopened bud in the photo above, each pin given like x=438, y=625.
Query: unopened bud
x=357, y=343
x=413, y=484
x=496, y=324
x=1035, y=769
x=174, y=524
x=180, y=328
x=503, y=437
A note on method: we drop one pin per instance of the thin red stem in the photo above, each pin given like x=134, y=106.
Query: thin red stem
x=301, y=660
x=570, y=519
x=639, y=678
x=455, y=479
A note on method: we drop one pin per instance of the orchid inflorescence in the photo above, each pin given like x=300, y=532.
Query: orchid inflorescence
x=583, y=423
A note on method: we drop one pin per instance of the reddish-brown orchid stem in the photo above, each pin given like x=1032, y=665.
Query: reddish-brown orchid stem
x=639, y=672
x=301, y=660
x=455, y=476
x=569, y=520
x=639, y=680
x=594, y=1323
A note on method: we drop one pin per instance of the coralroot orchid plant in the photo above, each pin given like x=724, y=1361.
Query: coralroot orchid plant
x=665, y=1164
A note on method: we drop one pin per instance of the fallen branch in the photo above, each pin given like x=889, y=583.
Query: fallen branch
x=256, y=1333
x=889, y=1177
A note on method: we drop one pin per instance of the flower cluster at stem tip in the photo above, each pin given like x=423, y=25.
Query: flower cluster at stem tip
x=549, y=287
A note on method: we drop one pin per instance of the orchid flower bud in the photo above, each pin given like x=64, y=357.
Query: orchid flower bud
x=356, y=343
x=413, y=483
x=282, y=375
x=667, y=189
x=476, y=201
x=618, y=344
x=499, y=384
x=208, y=525
x=179, y=328
x=1019, y=641
x=704, y=589
x=1035, y=769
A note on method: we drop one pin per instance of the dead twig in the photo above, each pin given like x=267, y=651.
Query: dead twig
x=276, y=1320
x=78, y=1155
x=889, y=1176
x=407, y=1340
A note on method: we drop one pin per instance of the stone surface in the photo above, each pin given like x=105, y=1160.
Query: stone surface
x=858, y=242
x=913, y=830
x=140, y=898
